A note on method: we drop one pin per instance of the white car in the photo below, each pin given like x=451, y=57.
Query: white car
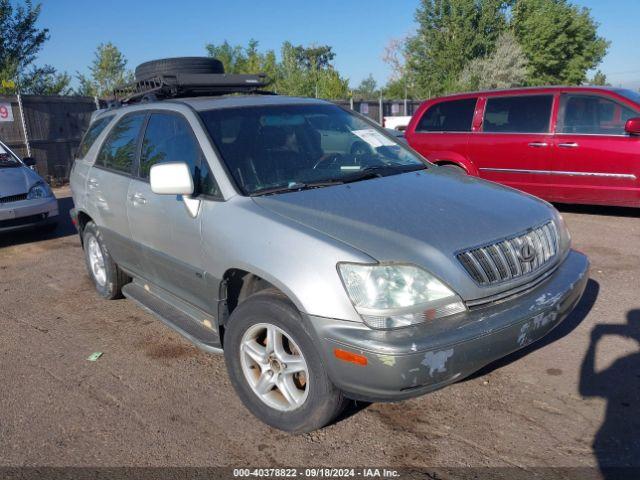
x=25, y=198
x=396, y=122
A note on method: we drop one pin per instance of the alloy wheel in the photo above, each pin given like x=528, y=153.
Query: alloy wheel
x=274, y=367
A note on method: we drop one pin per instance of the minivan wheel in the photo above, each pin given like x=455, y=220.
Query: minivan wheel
x=104, y=272
x=275, y=368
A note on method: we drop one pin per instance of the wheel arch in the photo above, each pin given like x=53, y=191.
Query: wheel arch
x=452, y=158
x=83, y=219
x=240, y=283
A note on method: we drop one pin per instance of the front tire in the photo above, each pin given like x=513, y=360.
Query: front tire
x=103, y=271
x=275, y=368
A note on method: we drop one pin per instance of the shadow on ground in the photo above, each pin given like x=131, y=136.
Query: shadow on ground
x=617, y=443
x=63, y=229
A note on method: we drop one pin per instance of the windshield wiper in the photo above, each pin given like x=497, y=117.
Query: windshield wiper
x=295, y=187
x=363, y=174
x=381, y=171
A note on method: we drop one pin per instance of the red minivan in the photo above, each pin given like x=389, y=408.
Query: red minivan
x=563, y=144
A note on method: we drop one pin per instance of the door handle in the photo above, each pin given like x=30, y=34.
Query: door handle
x=538, y=144
x=568, y=145
x=138, y=199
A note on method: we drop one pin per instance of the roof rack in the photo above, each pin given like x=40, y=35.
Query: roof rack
x=189, y=85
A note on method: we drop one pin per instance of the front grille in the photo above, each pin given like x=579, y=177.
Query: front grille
x=512, y=257
x=13, y=198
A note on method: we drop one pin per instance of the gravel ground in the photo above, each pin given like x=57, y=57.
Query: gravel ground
x=153, y=399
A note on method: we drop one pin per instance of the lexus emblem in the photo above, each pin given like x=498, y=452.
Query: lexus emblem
x=526, y=253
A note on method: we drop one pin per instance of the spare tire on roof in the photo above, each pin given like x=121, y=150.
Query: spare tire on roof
x=171, y=66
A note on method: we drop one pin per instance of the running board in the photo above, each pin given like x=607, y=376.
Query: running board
x=189, y=327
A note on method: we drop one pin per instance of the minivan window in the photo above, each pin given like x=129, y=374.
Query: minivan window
x=284, y=147
x=92, y=134
x=119, y=149
x=451, y=116
x=593, y=115
x=525, y=114
x=630, y=94
x=169, y=138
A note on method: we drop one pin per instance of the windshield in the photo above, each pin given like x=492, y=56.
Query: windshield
x=630, y=94
x=7, y=159
x=288, y=147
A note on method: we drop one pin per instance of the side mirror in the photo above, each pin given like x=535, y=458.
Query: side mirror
x=632, y=127
x=29, y=162
x=171, y=179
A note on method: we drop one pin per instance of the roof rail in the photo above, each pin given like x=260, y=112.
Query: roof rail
x=189, y=85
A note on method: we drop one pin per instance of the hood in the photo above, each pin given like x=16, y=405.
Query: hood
x=17, y=180
x=423, y=218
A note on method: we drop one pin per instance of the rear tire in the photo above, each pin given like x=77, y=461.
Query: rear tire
x=103, y=271
x=172, y=66
x=315, y=400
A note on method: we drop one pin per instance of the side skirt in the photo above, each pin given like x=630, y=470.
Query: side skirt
x=180, y=317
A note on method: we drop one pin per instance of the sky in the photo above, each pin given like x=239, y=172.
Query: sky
x=358, y=30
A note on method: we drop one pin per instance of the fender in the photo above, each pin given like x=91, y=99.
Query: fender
x=440, y=157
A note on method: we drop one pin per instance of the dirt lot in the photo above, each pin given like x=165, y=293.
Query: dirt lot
x=154, y=400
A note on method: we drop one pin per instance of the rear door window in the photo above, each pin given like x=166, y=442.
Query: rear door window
x=119, y=149
x=92, y=134
x=169, y=138
x=527, y=114
x=592, y=115
x=450, y=116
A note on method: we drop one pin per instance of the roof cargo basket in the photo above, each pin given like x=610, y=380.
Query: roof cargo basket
x=189, y=85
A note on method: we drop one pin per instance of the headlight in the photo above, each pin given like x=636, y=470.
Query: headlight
x=39, y=190
x=564, y=237
x=393, y=296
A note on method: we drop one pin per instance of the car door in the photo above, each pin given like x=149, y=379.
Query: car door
x=167, y=234
x=513, y=145
x=442, y=132
x=596, y=161
x=107, y=187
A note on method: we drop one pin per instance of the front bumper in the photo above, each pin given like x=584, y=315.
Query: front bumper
x=28, y=213
x=412, y=361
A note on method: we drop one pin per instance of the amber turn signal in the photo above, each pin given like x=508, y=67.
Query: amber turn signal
x=350, y=357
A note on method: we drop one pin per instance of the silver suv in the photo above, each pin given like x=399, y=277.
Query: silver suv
x=326, y=269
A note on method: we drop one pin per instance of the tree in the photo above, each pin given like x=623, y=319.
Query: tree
x=20, y=42
x=599, y=79
x=46, y=81
x=400, y=83
x=505, y=67
x=451, y=33
x=315, y=63
x=394, y=56
x=367, y=89
x=307, y=72
x=302, y=71
x=237, y=59
x=560, y=40
x=108, y=70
